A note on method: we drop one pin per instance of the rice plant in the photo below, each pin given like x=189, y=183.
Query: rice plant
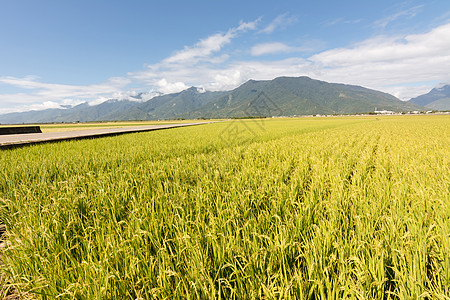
x=307, y=208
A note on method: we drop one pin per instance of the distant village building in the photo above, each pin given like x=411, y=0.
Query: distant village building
x=384, y=112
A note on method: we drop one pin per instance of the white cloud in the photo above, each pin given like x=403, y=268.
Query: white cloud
x=60, y=91
x=282, y=21
x=391, y=49
x=226, y=79
x=43, y=95
x=168, y=76
x=383, y=62
x=408, y=92
x=201, y=64
x=244, y=26
x=71, y=102
x=274, y=48
x=50, y=104
x=341, y=21
x=240, y=71
x=133, y=95
x=171, y=87
x=204, y=48
x=40, y=106
x=405, y=66
x=408, y=13
x=28, y=82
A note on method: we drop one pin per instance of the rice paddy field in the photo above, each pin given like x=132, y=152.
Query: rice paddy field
x=306, y=208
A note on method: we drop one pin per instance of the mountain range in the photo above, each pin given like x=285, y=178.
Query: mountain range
x=437, y=99
x=282, y=96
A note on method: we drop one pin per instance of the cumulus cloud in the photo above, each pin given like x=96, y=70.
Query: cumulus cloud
x=171, y=87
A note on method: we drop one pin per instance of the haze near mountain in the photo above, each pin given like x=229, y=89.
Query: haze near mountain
x=282, y=96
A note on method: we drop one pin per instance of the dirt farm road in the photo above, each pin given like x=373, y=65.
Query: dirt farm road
x=20, y=140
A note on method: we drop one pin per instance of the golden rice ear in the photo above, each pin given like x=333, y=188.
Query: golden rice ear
x=286, y=208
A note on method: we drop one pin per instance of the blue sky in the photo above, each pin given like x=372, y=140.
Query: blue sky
x=55, y=53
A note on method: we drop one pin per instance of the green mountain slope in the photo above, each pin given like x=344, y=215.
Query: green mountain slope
x=283, y=96
x=176, y=105
x=440, y=104
x=287, y=96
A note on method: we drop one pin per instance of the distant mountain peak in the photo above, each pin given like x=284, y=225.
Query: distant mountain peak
x=194, y=89
x=438, y=98
x=443, y=88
